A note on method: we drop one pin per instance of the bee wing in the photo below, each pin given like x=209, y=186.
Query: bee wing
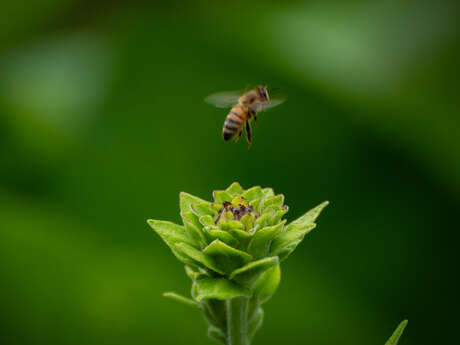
x=224, y=99
x=272, y=103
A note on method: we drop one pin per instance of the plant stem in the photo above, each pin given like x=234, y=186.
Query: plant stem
x=237, y=321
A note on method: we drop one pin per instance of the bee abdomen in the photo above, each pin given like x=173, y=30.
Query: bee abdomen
x=233, y=123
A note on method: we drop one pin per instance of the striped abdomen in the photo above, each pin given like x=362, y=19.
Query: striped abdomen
x=234, y=122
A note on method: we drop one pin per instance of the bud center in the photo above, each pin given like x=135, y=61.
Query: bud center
x=236, y=209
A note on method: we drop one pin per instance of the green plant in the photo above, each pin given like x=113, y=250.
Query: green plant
x=397, y=334
x=232, y=249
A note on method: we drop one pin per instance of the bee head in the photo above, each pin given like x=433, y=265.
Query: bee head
x=263, y=93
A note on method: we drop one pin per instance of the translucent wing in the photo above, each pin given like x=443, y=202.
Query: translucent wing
x=224, y=99
x=272, y=103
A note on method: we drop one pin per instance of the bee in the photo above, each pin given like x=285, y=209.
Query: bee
x=244, y=107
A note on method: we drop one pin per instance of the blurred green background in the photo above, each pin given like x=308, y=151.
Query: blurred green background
x=102, y=124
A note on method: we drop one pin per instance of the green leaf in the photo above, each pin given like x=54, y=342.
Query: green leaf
x=255, y=323
x=264, y=218
x=276, y=217
x=219, y=288
x=172, y=234
x=397, y=334
x=186, y=200
x=207, y=220
x=227, y=258
x=193, y=227
x=233, y=224
x=199, y=257
x=256, y=203
x=268, y=192
x=268, y=283
x=224, y=236
x=248, y=221
x=308, y=218
x=253, y=193
x=284, y=244
x=192, y=218
x=194, y=272
x=240, y=235
x=182, y=299
x=260, y=242
x=216, y=207
x=248, y=274
x=216, y=334
x=234, y=189
x=220, y=196
x=287, y=242
x=285, y=251
x=203, y=208
x=274, y=201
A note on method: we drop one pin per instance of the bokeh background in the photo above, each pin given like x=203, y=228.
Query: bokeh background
x=102, y=124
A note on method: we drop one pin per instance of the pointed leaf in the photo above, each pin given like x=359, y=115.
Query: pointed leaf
x=186, y=200
x=268, y=192
x=255, y=323
x=274, y=201
x=171, y=234
x=253, y=193
x=207, y=220
x=248, y=221
x=203, y=208
x=397, y=334
x=276, y=217
x=192, y=218
x=284, y=244
x=227, y=258
x=241, y=235
x=260, y=242
x=234, y=189
x=216, y=334
x=182, y=299
x=256, y=203
x=239, y=200
x=216, y=207
x=289, y=241
x=224, y=236
x=308, y=218
x=268, y=283
x=195, y=231
x=219, y=288
x=220, y=196
x=262, y=221
x=248, y=274
x=233, y=224
x=225, y=216
x=199, y=257
x=284, y=252
x=194, y=272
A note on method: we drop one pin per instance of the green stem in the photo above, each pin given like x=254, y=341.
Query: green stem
x=237, y=321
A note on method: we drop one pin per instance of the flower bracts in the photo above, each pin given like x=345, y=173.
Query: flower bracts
x=232, y=248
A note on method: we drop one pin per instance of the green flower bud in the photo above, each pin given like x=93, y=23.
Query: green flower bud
x=232, y=248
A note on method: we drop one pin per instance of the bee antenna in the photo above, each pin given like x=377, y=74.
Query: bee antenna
x=275, y=89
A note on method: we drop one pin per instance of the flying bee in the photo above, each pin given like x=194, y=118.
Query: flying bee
x=244, y=107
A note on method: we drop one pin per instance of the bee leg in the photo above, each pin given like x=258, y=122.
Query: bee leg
x=255, y=119
x=248, y=134
x=239, y=135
